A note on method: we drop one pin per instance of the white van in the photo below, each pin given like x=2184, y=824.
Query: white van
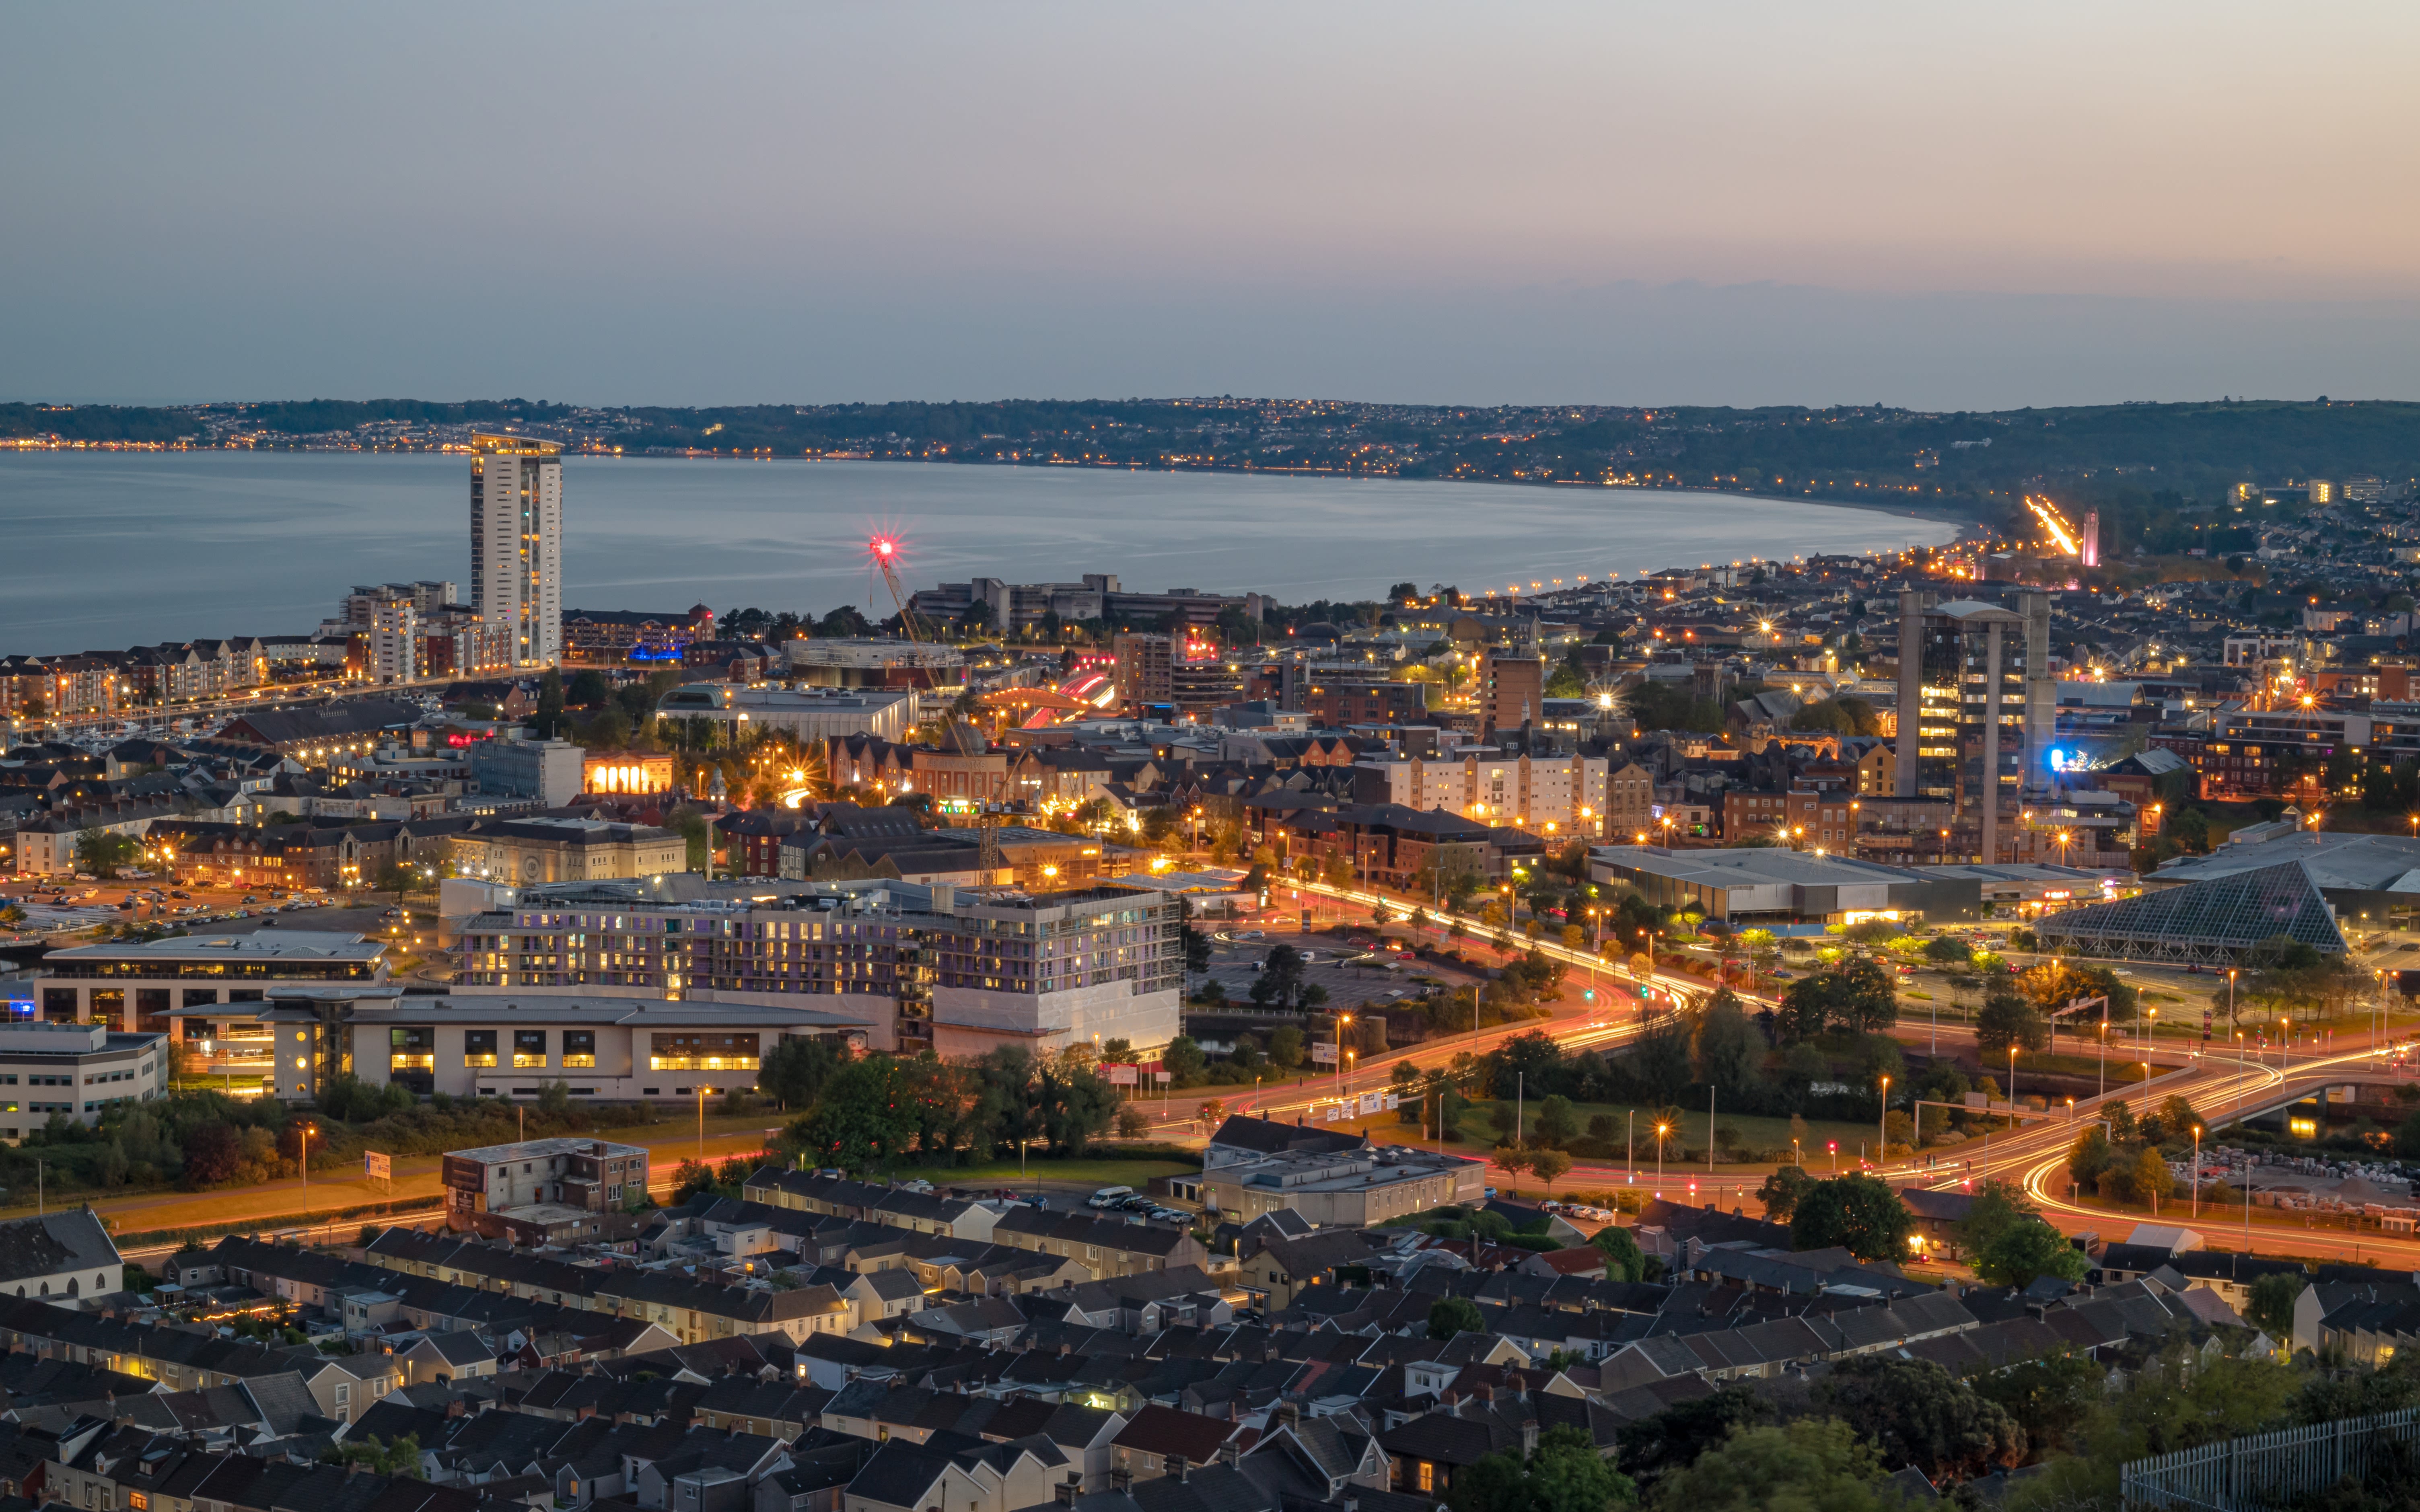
x=1109, y=1197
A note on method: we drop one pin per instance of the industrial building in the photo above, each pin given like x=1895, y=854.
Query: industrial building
x=1768, y=885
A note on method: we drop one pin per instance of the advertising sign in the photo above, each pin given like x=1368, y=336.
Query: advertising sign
x=1323, y=1054
x=1372, y=1101
x=1123, y=1076
x=377, y=1167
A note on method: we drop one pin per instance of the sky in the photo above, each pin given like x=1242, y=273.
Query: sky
x=1945, y=207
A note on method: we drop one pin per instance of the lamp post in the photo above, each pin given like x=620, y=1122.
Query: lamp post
x=2197, y=1172
x=2013, y=1088
x=1660, y=1130
x=1881, y=1129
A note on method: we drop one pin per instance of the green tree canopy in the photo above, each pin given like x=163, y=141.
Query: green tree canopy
x=1917, y=1413
x=1817, y=1464
x=1450, y=1316
x=1857, y=1212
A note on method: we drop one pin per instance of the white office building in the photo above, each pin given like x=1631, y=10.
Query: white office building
x=516, y=542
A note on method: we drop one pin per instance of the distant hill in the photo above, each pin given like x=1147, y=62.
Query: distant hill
x=1966, y=464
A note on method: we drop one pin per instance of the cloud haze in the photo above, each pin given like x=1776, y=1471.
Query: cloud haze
x=1760, y=203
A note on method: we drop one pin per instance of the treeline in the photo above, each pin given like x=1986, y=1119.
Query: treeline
x=99, y=422
x=882, y=1111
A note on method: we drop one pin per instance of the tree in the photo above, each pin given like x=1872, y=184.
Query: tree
x=395, y=877
x=1182, y=1059
x=796, y=1070
x=2152, y=1179
x=1730, y=1052
x=2048, y=1398
x=1556, y=1125
x=2272, y=1304
x=1514, y=1160
x=1917, y=1413
x=861, y=1118
x=2027, y=1250
x=2007, y=1019
x=1948, y=950
x=1781, y=1191
x=1856, y=1212
x=1816, y=1463
x=690, y=1178
x=1672, y=1440
x=548, y=721
x=1197, y=950
x=1565, y=1475
x=1450, y=1316
x=1998, y=1205
x=1285, y=1047
x=100, y=853
x=1624, y=1259
x=1855, y=994
x=1548, y=1165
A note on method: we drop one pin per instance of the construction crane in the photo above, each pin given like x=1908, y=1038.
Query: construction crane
x=884, y=551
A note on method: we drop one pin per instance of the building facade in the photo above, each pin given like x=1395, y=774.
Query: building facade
x=516, y=542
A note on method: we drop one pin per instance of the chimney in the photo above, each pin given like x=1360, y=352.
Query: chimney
x=1451, y=1398
x=1121, y=1479
x=1487, y=1393
x=1176, y=1468
x=1229, y=1454
x=1067, y=1490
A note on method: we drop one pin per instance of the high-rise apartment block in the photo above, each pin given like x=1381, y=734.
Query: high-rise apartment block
x=394, y=642
x=1977, y=711
x=1511, y=692
x=516, y=542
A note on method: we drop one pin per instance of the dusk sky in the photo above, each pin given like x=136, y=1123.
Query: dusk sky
x=1937, y=206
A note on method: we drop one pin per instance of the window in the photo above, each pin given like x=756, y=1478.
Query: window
x=529, y=1047
x=580, y=1047
x=478, y=1047
x=412, y=1049
x=701, y=1052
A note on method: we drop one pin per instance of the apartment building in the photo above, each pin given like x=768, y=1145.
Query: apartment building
x=1549, y=795
x=930, y=966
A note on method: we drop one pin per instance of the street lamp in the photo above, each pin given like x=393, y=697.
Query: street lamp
x=2197, y=1172
x=1661, y=1130
x=1882, y=1130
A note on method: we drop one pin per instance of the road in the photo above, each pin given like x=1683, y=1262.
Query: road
x=415, y=1189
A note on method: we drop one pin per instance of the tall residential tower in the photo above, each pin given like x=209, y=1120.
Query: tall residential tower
x=516, y=542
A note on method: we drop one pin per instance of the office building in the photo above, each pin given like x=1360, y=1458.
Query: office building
x=612, y=1049
x=516, y=542
x=136, y=986
x=553, y=772
x=1512, y=691
x=77, y=1072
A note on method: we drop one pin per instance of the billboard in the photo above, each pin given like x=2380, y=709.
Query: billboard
x=1323, y=1054
x=377, y=1167
x=1122, y=1076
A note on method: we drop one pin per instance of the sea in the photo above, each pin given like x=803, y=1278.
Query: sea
x=110, y=549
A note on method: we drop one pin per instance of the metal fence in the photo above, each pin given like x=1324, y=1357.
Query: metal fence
x=2266, y=1470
